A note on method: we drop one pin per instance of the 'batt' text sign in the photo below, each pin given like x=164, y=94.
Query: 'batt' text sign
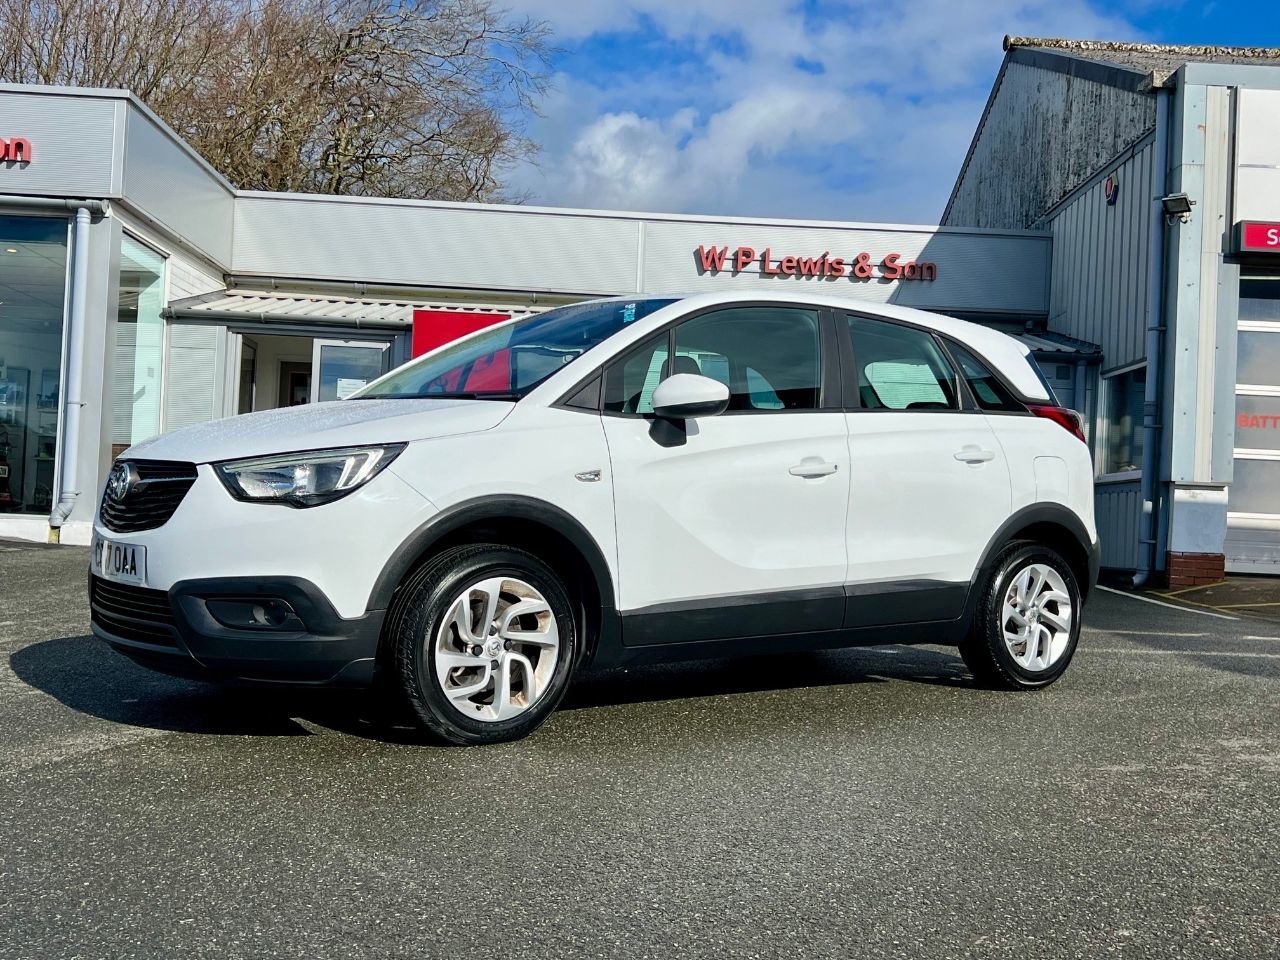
x=716, y=259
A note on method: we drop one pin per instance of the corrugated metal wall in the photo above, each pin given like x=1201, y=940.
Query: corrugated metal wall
x=385, y=241
x=76, y=140
x=1118, y=507
x=566, y=251
x=175, y=188
x=1101, y=256
x=188, y=278
x=1101, y=259
x=1060, y=127
x=976, y=270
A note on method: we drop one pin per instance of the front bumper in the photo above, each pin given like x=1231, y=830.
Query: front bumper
x=173, y=631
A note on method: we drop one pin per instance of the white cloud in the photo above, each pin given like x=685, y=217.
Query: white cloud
x=737, y=122
x=624, y=160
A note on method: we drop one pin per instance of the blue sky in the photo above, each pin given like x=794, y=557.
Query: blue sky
x=820, y=109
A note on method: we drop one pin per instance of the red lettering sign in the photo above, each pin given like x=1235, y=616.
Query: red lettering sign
x=1258, y=237
x=15, y=150
x=1258, y=421
x=857, y=266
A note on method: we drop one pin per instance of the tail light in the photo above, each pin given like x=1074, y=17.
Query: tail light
x=1069, y=420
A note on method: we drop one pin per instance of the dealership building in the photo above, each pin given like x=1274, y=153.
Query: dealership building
x=1118, y=210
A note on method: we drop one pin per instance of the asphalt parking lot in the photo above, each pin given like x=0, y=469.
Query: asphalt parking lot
x=862, y=803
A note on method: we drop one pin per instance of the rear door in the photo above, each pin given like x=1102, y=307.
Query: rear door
x=734, y=526
x=929, y=483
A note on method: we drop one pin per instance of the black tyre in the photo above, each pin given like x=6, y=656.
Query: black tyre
x=481, y=644
x=1027, y=624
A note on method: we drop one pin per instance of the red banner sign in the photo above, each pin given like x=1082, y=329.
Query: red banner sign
x=1259, y=237
x=860, y=266
x=15, y=150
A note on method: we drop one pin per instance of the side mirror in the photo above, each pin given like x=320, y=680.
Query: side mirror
x=683, y=396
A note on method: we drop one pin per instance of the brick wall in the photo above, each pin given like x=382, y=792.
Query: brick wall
x=1193, y=569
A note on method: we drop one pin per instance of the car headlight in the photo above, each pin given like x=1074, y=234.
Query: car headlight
x=305, y=479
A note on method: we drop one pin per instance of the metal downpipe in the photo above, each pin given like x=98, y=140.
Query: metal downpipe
x=1151, y=425
x=66, y=489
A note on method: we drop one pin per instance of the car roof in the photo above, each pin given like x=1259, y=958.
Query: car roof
x=1009, y=355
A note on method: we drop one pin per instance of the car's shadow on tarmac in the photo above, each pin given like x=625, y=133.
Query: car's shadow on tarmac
x=90, y=678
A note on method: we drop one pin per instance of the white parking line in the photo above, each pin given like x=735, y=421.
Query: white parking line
x=1171, y=606
x=1144, y=633
x=1187, y=653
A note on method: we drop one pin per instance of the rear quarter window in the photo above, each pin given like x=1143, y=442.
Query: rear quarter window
x=988, y=390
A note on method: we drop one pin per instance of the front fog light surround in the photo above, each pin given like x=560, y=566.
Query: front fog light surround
x=305, y=479
x=254, y=613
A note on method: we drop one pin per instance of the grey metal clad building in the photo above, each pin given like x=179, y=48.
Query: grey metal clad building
x=1156, y=170
x=141, y=292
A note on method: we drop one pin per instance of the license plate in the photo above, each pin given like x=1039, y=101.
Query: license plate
x=4, y=471
x=121, y=562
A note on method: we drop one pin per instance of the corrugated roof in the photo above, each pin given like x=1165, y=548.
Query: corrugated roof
x=1048, y=341
x=1158, y=60
x=267, y=307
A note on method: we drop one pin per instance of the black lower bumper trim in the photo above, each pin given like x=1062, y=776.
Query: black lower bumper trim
x=329, y=650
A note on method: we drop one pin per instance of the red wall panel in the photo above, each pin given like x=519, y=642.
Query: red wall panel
x=434, y=328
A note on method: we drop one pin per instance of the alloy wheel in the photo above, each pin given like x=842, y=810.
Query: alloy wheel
x=1036, y=617
x=496, y=650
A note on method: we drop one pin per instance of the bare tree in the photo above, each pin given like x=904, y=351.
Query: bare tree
x=424, y=98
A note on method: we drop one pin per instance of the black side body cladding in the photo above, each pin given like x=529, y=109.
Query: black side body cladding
x=902, y=611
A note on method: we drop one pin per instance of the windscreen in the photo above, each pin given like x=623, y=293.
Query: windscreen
x=507, y=361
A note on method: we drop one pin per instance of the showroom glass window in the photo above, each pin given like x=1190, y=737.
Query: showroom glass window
x=139, y=346
x=1124, y=396
x=33, y=283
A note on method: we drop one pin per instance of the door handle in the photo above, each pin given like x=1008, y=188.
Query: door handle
x=974, y=454
x=813, y=467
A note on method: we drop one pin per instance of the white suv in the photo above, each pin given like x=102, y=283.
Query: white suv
x=611, y=482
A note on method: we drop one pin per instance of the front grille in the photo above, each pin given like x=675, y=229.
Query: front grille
x=132, y=613
x=157, y=488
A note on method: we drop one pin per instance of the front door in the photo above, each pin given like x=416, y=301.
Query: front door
x=341, y=367
x=732, y=525
x=929, y=480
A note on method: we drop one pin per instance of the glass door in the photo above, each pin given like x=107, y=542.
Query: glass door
x=341, y=367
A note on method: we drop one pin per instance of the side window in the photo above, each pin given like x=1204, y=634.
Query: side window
x=629, y=383
x=989, y=392
x=900, y=368
x=770, y=358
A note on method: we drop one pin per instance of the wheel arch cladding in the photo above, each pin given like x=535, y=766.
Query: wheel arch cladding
x=540, y=528
x=1053, y=526
x=1060, y=539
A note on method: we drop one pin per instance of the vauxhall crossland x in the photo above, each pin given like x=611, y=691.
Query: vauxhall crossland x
x=616, y=481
